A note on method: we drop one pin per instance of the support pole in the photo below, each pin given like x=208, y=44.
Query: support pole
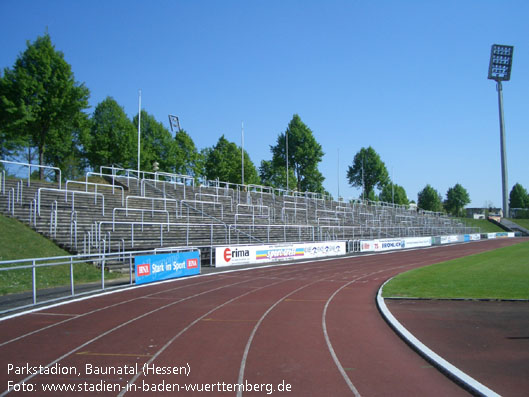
x=503, y=149
x=286, y=140
x=139, y=130
x=242, y=152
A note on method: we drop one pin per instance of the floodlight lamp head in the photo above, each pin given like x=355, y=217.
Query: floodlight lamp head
x=174, y=122
x=500, y=62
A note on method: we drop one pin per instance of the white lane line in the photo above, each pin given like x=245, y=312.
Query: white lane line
x=115, y=329
x=164, y=347
x=329, y=344
x=250, y=339
x=36, y=310
x=93, y=311
x=339, y=365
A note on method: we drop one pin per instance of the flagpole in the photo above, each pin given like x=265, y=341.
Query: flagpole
x=139, y=130
x=242, y=151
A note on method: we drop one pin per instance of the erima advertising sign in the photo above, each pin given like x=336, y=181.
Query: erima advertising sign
x=244, y=255
x=151, y=268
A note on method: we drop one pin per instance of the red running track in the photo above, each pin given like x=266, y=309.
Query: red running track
x=304, y=329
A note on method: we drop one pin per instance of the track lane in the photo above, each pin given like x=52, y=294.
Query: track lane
x=75, y=336
x=210, y=339
x=113, y=318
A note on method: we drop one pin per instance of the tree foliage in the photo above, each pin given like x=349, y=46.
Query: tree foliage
x=368, y=171
x=41, y=102
x=68, y=153
x=518, y=198
x=393, y=193
x=429, y=199
x=188, y=160
x=304, y=155
x=156, y=143
x=275, y=175
x=112, y=138
x=223, y=162
x=456, y=199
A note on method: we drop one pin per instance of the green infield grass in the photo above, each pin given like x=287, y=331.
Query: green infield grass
x=499, y=274
x=17, y=241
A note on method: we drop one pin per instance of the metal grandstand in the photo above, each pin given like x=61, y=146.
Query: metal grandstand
x=146, y=210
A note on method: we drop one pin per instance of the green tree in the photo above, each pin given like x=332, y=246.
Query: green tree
x=429, y=199
x=393, y=193
x=112, y=138
x=456, y=199
x=68, y=153
x=274, y=175
x=368, y=171
x=156, y=142
x=518, y=198
x=223, y=162
x=9, y=144
x=304, y=155
x=41, y=101
x=188, y=160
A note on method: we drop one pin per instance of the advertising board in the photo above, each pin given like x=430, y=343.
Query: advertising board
x=389, y=244
x=472, y=237
x=504, y=234
x=151, y=268
x=244, y=255
x=450, y=239
x=394, y=244
x=417, y=242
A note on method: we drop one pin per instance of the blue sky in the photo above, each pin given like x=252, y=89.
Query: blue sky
x=408, y=78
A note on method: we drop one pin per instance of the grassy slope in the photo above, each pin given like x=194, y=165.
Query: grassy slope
x=522, y=222
x=499, y=274
x=17, y=241
x=483, y=224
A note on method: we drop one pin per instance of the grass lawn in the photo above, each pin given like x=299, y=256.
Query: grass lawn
x=17, y=241
x=498, y=274
x=483, y=224
x=522, y=222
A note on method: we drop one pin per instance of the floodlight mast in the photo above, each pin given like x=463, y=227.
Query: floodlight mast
x=500, y=70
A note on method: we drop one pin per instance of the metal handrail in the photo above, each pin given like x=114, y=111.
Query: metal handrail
x=188, y=202
x=142, y=210
x=53, y=219
x=71, y=260
x=216, y=198
x=20, y=188
x=74, y=192
x=86, y=184
x=3, y=182
x=34, y=165
x=73, y=228
x=164, y=199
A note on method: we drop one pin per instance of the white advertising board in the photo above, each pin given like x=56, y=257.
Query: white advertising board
x=394, y=244
x=475, y=237
x=417, y=242
x=449, y=239
x=244, y=255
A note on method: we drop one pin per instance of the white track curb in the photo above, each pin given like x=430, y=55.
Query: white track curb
x=431, y=356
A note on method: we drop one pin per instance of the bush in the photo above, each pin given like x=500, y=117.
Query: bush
x=522, y=214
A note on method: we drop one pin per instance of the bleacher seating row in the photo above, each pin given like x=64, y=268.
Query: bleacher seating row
x=151, y=210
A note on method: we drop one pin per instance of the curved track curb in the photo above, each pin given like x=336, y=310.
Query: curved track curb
x=453, y=372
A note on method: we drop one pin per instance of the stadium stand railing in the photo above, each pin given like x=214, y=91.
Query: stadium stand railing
x=147, y=210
